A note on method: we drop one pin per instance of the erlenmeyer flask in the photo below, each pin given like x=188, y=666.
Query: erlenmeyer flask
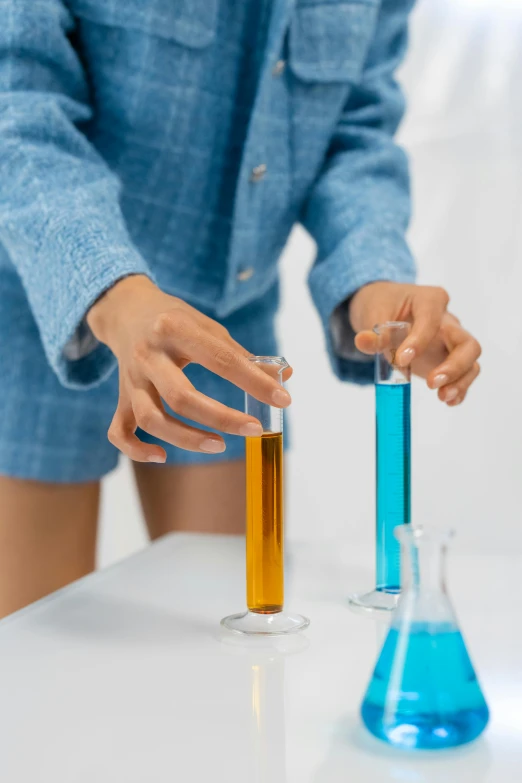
x=424, y=692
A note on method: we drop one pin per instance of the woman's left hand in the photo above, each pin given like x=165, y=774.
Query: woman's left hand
x=438, y=348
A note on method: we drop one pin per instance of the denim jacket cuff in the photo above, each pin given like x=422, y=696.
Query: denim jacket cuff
x=78, y=358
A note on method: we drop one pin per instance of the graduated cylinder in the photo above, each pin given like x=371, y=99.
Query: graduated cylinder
x=264, y=521
x=392, y=403
x=264, y=505
x=393, y=435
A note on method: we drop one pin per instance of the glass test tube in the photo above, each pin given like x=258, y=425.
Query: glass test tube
x=393, y=447
x=264, y=522
x=393, y=469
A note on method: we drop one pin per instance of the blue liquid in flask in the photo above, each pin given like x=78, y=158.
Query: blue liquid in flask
x=424, y=692
x=393, y=478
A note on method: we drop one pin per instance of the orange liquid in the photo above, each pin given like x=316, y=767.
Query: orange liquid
x=264, y=529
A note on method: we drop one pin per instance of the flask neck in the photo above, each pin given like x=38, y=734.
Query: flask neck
x=424, y=566
x=424, y=598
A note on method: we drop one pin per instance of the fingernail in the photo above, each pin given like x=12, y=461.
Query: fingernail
x=251, y=430
x=440, y=380
x=212, y=446
x=450, y=395
x=156, y=458
x=458, y=401
x=281, y=398
x=406, y=356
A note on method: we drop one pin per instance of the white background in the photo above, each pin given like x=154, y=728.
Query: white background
x=464, y=133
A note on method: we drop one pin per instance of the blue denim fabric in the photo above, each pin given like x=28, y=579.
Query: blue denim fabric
x=116, y=120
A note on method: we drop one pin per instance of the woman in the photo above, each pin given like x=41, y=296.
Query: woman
x=154, y=156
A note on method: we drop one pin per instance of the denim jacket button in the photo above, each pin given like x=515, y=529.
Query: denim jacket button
x=279, y=68
x=245, y=274
x=258, y=172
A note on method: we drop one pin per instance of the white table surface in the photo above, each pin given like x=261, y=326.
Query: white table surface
x=125, y=676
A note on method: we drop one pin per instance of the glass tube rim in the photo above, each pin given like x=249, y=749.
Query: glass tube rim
x=279, y=360
x=391, y=325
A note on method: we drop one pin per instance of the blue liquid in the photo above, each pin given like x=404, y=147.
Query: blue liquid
x=424, y=692
x=393, y=479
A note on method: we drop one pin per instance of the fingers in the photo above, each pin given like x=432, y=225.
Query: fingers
x=219, y=354
x=458, y=371
x=221, y=358
x=455, y=393
x=464, y=351
x=285, y=375
x=152, y=418
x=222, y=333
x=177, y=391
x=146, y=411
x=219, y=331
x=428, y=308
x=122, y=434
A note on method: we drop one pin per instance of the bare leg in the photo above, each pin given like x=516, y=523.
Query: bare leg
x=47, y=538
x=198, y=498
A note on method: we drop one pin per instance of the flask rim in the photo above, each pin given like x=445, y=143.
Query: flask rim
x=416, y=534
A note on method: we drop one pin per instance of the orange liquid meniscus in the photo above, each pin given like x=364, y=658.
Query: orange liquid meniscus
x=264, y=524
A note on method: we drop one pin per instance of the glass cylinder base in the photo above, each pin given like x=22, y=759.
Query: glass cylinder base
x=252, y=624
x=375, y=601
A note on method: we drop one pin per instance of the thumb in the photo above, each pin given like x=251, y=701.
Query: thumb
x=369, y=342
x=375, y=303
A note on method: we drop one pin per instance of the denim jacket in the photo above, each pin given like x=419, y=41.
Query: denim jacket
x=106, y=150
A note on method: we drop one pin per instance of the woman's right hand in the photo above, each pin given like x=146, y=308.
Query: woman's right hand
x=154, y=336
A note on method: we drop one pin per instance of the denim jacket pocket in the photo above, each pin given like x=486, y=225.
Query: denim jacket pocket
x=329, y=41
x=191, y=23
